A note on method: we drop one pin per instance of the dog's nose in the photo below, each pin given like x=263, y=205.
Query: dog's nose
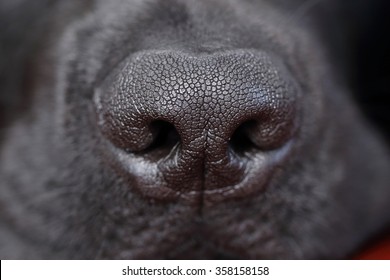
x=187, y=125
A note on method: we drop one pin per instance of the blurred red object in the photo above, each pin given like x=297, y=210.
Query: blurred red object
x=379, y=251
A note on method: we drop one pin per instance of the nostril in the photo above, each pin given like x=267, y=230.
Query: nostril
x=165, y=138
x=240, y=141
x=261, y=135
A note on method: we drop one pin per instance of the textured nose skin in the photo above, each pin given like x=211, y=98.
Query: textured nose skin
x=208, y=126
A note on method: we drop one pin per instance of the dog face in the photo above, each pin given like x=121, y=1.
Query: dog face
x=191, y=129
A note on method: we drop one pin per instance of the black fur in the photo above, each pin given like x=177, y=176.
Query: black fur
x=63, y=193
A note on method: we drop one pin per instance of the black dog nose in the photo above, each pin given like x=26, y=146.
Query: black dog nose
x=191, y=126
